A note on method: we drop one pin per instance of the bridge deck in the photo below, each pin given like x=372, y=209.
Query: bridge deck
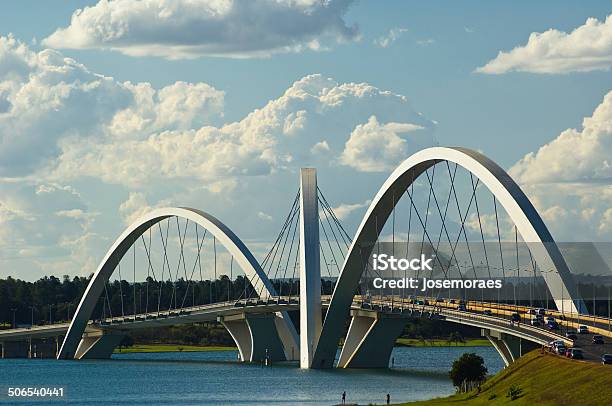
x=498, y=319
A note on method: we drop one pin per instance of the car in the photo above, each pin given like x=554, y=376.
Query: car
x=552, y=325
x=488, y=312
x=575, y=353
x=555, y=342
x=462, y=308
x=606, y=359
x=420, y=302
x=540, y=317
x=536, y=322
x=597, y=339
x=439, y=300
x=571, y=335
x=550, y=318
x=560, y=349
x=515, y=317
x=583, y=329
x=531, y=311
x=553, y=345
x=452, y=301
x=541, y=312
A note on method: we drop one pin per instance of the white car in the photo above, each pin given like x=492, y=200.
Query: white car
x=536, y=322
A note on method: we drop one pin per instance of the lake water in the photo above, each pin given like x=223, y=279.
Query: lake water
x=212, y=378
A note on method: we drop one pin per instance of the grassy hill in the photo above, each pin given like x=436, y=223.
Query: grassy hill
x=545, y=379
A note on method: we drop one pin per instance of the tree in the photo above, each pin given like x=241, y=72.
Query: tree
x=455, y=337
x=126, y=342
x=468, y=368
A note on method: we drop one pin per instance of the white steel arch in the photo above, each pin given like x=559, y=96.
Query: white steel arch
x=528, y=222
x=222, y=233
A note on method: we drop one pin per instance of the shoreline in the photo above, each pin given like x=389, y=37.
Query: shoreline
x=152, y=348
x=414, y=342
x=401, y=342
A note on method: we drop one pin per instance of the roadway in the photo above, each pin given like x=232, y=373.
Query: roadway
x=498, y=319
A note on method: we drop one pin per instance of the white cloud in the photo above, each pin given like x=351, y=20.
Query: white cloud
x=376, y=147
x=320, y=147
x=189, y=29
x=73, y=142
x=587, y=48
x=46, y=98
x=344, y=210
x=575, y=155
x=393, y=35
x=264, y=216
x=134, y=207
x=569, y=179
x=259, y=144
x=425, y=42
x=39, y=234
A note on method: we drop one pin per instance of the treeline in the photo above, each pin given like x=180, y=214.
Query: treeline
x=47, y=299
x=51, y=300
x=187, y=334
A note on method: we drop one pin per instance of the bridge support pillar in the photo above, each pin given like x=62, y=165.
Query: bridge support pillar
x=15, y=349
x=370, y=339
x=44, y=348
x=509, y=347
x=98, y=345
x=256, y=336
x=310, y=267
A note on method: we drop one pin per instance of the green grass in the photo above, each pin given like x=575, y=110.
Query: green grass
x=413, y=342
x=545, y=379
x=170, y=348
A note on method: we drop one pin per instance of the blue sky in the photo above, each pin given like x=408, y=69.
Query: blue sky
x=432, y=63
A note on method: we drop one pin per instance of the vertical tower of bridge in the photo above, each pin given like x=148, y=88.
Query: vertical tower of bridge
x=310, y=270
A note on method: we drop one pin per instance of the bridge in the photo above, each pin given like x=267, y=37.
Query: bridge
x=284, y=308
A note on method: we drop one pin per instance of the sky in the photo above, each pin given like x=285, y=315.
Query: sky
x=111, y=108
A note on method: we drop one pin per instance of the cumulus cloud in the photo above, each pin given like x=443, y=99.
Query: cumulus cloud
x=45, y=227
x=260, y=143
x=376, y=147
x=575, y=155
x=189, y=29
x=134, y=207
x=264, y=216
x=46, y=97
x=393, y=35
x=65, y=128
x=344, y=210
x=587, y=48
x=570, y=178
x=425, y=42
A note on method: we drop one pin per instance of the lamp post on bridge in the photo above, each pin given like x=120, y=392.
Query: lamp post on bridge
x=14, y=310
x=32, y=319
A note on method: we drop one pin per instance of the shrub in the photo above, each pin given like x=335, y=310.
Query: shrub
x=514, y=392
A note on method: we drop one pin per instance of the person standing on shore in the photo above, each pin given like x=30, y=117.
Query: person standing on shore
x=344, y=397
x=388, y=398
